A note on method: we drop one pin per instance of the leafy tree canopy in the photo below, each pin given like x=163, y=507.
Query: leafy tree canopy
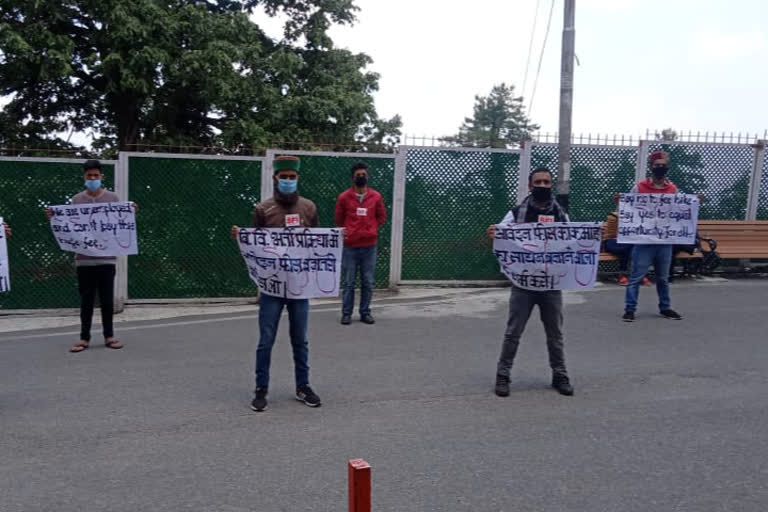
x=183, y=72
x=499, y=121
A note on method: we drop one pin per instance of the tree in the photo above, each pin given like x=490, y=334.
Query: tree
x=181, y=72
x=499, y=121
x=730, y=203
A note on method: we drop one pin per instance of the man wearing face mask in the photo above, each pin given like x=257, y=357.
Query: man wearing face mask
x=643, y=255
x=284, y=209
x=539, y=206
x=360, y=211
x=95, y=274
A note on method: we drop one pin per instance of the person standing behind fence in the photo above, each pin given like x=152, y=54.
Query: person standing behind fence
x=643, y=255
x=539, y=206
x=284, y=209
x=360, y=211
x=95, y=274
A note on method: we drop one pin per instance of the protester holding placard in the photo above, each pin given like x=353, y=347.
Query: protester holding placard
x=539, y=206
x=360, y=211
x=284, y=209
x=658, y=254
x=95, y=273
x=621, y=251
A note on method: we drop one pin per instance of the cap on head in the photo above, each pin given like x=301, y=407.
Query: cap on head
x=658, y=155
x=285, y=163
x=92, y=164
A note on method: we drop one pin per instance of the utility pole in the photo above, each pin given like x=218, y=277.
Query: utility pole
x=566, y=95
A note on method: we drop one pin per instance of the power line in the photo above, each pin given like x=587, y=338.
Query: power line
x=541, y=57
x=530, y=46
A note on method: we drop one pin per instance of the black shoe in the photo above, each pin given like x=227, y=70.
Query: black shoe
x=260, y=401
x=367, y=319
x=346, y=319
x=629, y=316
x=502, y=385
x=562, y=384
x=671, y=314
x=306, y=395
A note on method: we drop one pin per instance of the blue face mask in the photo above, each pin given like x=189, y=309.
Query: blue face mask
x=287, y=186
x=93, y=185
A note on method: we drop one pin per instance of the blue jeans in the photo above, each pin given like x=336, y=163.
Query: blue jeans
x=270, y=309
x=365, y=259
x=642, y=258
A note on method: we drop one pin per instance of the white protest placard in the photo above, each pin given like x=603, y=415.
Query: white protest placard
x=99, y=229
x=5, y=279
x=549, y=256
x=295, y=263
x=658, y=219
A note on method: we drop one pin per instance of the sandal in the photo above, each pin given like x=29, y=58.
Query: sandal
x=115, y=344
x=79, y=346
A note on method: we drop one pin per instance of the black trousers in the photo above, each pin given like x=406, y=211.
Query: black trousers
x=101, y=279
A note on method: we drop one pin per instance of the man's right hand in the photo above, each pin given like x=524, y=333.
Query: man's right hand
x=492, y=231
x=49, y=213
x=234, y=232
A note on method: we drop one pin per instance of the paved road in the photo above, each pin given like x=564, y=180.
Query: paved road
x=668, y=415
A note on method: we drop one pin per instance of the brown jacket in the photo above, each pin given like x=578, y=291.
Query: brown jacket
x=273, y=214
x=611, y=226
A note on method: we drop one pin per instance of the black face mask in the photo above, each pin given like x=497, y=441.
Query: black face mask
x=361, y=181
x=660, y=172
x=541, y=194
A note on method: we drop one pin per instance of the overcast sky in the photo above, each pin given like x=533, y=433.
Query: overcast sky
x=644, y=64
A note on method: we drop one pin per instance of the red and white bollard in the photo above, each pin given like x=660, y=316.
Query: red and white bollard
x=359, y=486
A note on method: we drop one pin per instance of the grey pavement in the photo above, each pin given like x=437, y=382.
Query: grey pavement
x=667, y=415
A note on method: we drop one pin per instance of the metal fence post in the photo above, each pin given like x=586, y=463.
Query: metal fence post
x=266, y=174
x=525, y=171
x=641, y=165
x=398, y=218
x=121, y=277
x=755, y=180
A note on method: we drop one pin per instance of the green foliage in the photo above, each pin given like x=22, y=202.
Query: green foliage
x=499, y=121
x=182, y=73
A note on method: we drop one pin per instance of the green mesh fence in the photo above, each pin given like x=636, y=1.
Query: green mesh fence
x=42, y=276
x=187, y=206
x=762, y=200
x=186, y=209
x=323, y=178
x=718, y=171
x=451, y=196
x=597, y=174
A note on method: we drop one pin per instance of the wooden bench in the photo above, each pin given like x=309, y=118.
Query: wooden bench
x=736, y=239
x=606, y=256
